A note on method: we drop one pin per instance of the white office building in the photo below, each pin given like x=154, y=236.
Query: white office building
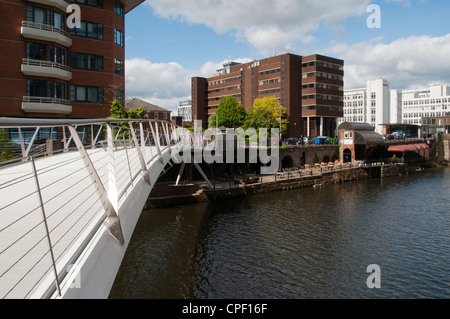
x=377, y=104
x=372, y=105
x=185, y=110
x=431, y=102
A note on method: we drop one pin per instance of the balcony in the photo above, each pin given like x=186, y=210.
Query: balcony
x=60, y=4
x=45, y=32
x=46, y=69
x=36, y=104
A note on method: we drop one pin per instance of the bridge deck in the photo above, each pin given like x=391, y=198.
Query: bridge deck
x=59, y=204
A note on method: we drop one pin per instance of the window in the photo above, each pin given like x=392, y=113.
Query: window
x=88, y=30
x=156, y=115
x=269, y=71
x=89, y=94
x=118, y=37
x=118, y=95
x=43, y=88
x=93, y=3
x=118, y=67
x=118, y=8
x=165, y=115
x=84, y=61
x=45, y=16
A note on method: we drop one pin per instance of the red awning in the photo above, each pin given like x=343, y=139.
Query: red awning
x=410, y=147
x=423, y=146
x=407, y=147
x=397, y=148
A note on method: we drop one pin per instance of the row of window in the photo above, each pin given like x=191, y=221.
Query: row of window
x=353, y=118
x=236, y=78
x=82, y=61
x=353, y=111
x=427, y=101
x=229, y=88
x=353, y=104
x=322, y=75
x=87, y=29
x=322, y=86
x=270, y=71
x=322, y=97
x=118, y=6
x=322, y=108
x=357, y=96
x=77, y=93
x=271, y=81
x=323, y=64
x=45, y=16
x=423, y=114
x=45, y=52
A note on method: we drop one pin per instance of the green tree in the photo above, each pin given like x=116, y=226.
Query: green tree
x=266, y=113
x=230, y=114
x=117, y=112
x=6, y=147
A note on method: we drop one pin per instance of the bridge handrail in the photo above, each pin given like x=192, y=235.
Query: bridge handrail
x=9, y=122
x=50, y=193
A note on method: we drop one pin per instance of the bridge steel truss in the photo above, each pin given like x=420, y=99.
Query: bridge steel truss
x=67, y=215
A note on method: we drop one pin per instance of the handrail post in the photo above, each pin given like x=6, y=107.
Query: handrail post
x=46, y=225
x=113, y=218
x=112, y=184
x=140, y=155
x=156, y=138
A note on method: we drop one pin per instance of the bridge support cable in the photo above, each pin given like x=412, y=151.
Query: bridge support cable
x=156, y=138
x=113, y=217
x=140, y=155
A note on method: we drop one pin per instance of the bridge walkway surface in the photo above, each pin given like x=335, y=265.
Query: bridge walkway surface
x=66, y=219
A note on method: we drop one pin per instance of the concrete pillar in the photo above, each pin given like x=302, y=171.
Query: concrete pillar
x=308, y=132
x=321, y=126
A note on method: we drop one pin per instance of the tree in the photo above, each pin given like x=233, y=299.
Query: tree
x=117, y=112
x=230, y=114
x=266, y=113
x=6, y=147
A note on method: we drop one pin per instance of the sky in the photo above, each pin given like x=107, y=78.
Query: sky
x=167, y=42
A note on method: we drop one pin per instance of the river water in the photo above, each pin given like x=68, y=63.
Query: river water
x=304, y=243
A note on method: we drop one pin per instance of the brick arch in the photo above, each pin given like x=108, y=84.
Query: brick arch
x=287, y=162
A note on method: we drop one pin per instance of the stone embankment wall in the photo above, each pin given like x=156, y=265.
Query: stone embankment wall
x=197, y=193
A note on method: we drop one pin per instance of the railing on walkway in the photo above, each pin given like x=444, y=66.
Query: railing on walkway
x=52, y=206
x=44, y=27
x=45, y=64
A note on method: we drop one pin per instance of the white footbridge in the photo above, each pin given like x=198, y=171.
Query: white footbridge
x=67, y=212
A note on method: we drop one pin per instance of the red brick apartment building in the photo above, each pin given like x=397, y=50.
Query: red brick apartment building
x=310, y=88
x=50, y=71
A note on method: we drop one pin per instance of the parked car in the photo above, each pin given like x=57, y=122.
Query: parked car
x=293, y=141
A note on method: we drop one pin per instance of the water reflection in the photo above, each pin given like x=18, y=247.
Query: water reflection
x=306, y=243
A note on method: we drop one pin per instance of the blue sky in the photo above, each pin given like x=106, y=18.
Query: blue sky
x=169, y=41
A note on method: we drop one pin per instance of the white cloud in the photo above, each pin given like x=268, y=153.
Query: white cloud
x=263, y=23
x=164, y=84
x=406, y=63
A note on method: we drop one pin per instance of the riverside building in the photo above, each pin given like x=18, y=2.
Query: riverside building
x=432, y=102
x=375, y=104
x=310, y=88
x=50, y=71
x=379, y=106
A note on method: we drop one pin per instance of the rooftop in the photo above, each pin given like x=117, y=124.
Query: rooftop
x=129, y=5
x=134, y=103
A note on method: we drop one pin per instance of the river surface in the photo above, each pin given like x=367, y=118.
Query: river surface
x=304, y=243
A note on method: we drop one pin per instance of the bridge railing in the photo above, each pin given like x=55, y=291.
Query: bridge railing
x=53, y=202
